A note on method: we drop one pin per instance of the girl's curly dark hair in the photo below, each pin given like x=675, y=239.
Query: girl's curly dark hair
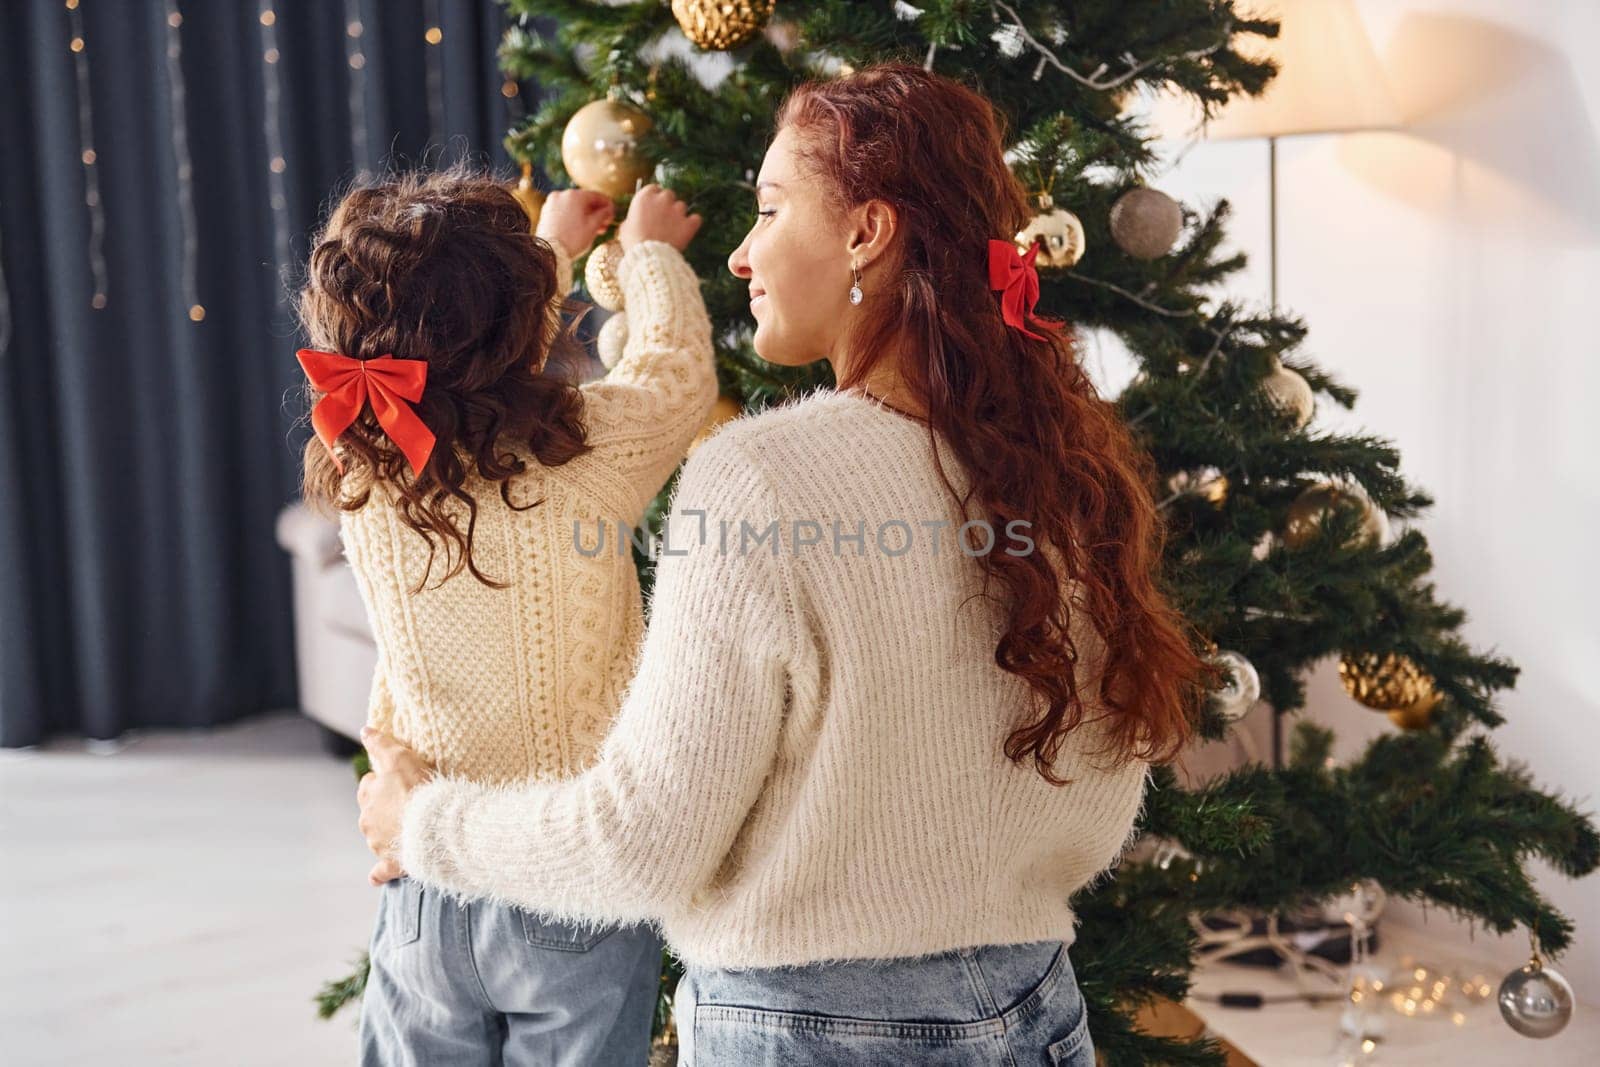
x=442, y=267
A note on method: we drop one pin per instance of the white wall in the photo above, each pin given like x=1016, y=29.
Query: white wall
x=1451, y=273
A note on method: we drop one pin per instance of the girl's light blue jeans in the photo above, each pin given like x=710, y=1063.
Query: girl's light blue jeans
x=469, y=983
x=1016, y=1005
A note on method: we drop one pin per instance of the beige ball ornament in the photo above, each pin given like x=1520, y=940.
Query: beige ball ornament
x=600, y=147
x=600, y=275
x=1290, y=394
x=718, y=25
x=611, y=339
x=1058, y=232
x=1145, y=223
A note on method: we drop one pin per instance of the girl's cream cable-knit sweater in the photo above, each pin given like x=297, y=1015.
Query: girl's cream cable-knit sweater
x=808, y=763
x=502, y=685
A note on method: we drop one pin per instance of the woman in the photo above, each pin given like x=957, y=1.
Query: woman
x=866, y=760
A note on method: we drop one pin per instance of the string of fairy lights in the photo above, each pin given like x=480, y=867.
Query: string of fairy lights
x=77, y=44
x=277, y=181
x=356, y=60
x=188, y=281
x=355, y=34
x=434, y=63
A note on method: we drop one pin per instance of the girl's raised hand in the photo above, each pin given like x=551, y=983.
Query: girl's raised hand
x=575, y=217
x=657, y=214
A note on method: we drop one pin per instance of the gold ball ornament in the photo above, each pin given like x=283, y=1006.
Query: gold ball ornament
x=600, y=147
x=1312, y=506
x=723, y=410
x=1419, y=717
x=718, y=25
x=1058, y=232
x=1145, y=223
x=529, y=196
x=611, y=340
x=1390, y=683
x=600, y=275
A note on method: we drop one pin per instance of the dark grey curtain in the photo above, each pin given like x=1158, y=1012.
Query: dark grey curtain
x=144, y=456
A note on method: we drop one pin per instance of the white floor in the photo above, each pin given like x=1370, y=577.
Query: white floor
x=179, y=901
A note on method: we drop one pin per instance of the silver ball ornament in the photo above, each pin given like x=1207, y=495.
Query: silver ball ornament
x=1535, y=1000
x=1145, y=222
x=1057, y=232
x=1242, y=688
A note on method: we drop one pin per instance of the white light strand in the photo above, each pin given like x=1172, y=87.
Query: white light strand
x=433, y=62
x=356, y=59
x=180, y=153
x=277, y=183
x=1098, y=79
x=86, y=153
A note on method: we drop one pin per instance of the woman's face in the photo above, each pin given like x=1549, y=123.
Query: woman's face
x=797, y=259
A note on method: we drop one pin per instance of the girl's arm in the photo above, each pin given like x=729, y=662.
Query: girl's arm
x=644, y=413
x=649, y=824
x=569, y=223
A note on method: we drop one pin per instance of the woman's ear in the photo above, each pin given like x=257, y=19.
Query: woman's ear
x=873, y=228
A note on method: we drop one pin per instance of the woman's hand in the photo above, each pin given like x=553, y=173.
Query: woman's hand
x=657, y=214
x=575, y=217
x=382, y=794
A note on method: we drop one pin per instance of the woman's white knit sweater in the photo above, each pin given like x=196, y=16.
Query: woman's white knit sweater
x=808, y=764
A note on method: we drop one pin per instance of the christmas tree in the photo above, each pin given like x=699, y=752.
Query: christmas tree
x=1279, y=550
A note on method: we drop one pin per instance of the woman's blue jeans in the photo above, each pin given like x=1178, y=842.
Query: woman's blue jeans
x=1016, y=1005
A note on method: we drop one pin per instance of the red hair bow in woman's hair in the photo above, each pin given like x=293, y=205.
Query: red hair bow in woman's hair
x=1013, y=276
x=391, y=385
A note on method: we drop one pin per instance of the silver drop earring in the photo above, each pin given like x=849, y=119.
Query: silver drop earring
x=855, y=290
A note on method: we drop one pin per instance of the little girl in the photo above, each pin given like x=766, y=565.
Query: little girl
x=462, y=474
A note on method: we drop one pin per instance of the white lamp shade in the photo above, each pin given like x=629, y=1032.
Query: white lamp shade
x=1329, y=79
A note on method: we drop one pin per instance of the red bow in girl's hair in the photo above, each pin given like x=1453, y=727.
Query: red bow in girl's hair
x=386, y=382
x=1011, y=274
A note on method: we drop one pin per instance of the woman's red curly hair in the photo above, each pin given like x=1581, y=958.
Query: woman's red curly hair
x=1021, y=415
